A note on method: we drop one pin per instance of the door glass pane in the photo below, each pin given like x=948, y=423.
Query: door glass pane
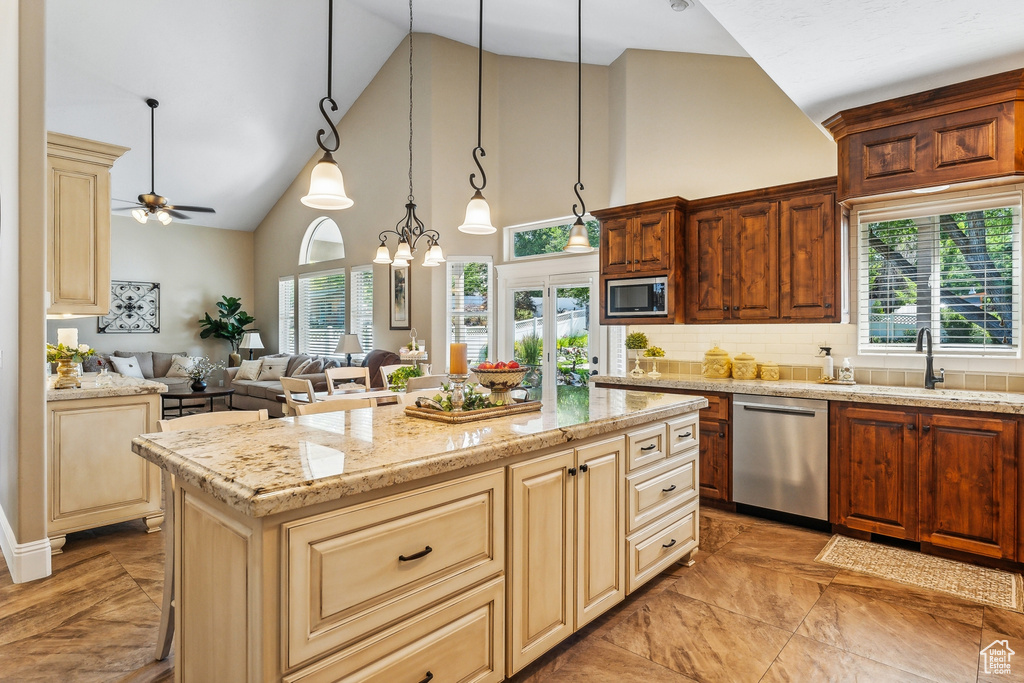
x=572, y=338
x=528, y=339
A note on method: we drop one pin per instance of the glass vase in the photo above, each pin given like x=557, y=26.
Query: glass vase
x=67, y=375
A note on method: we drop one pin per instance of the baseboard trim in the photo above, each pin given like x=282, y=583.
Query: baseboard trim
x=25, y=561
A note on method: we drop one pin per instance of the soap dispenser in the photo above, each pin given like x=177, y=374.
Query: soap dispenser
x=846, y=372
x=826, y=363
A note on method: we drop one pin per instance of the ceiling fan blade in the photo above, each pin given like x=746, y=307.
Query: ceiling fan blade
x=126, y=201
x=200, y=209
x=176, y=214
x=128, y=208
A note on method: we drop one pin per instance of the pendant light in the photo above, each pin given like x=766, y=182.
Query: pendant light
x=410, y=229
x=478, y=213
x=326, y=185
x=579, y=239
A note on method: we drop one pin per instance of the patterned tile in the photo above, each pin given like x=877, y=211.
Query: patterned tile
x=804, y=659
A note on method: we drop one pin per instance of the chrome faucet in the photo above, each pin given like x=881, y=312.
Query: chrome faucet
x=930, y=380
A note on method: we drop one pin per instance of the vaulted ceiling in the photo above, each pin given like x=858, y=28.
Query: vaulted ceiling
x=239, y=80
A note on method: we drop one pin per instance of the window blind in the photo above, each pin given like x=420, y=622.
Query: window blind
x=951, y=266
x=362, y=308
x=321, y=311
x=469, y=310
x=286, y=315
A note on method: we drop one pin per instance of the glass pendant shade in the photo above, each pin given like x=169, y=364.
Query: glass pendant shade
x=478, y=217
x=141, y=215
x=163, y=217
x=383, y=255
x=399, y=263
x=435, y=254
x=403, y=253
x=429, y=262
x=579, y=240
x=326, y=186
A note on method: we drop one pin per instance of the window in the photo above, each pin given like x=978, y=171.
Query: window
x=286, y=315
x=952, y=266
x=361, y=323
x=545, y=238
x=322, y=242
x=469, y=305
x=321, y=311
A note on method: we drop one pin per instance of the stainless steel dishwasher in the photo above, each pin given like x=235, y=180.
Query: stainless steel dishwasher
x=780, y=454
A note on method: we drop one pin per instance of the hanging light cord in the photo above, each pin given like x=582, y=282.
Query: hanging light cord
x=152, y=145
x=320, y=134
x=478, y=151
x=410, y=101
x=578, y=187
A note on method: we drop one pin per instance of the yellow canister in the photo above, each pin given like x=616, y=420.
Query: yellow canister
x=744, y=366
x=716, y=364
x=770, y=371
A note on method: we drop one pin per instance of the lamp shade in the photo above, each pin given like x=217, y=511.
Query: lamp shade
x=163, y=217
x=579, y=240
x=403, y=252
x=383, y=255
x=326, y=186
x=349, y=343
x=141, y=215
x=478, y=217
x=251, y=340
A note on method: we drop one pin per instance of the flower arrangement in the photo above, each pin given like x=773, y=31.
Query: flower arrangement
x=202, y=368
x=472, y=399
x=655, y=352
x=636, y=341
x=75, y=354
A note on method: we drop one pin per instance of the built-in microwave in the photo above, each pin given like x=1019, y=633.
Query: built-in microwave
x=643, y=297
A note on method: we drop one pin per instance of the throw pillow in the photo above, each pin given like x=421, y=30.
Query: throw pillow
x=143, y=358
x=315, y=365
x=180, y=365
x=331, y=363
x=294, y=362
x=249, y=369
x=129, y=367
x=273, y=368
x=162, y=362
x=301, y=369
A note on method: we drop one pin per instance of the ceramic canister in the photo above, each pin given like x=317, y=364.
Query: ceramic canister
x=770, y=371
x=744, y=367
x=716, y=364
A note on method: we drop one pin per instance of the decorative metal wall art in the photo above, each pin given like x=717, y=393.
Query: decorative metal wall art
x=134, y=309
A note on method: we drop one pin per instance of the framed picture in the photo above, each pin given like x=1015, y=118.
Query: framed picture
x=134, y=309
x=400, y=316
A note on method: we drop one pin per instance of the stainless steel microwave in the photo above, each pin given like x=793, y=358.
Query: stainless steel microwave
x=644, y=297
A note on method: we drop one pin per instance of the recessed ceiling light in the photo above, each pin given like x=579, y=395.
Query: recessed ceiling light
x=929, y=190
x=679, y=5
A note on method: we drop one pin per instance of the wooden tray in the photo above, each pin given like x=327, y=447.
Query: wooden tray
x=472, y=415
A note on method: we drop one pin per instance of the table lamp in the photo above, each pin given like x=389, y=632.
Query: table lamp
x=349, y=344
x=251, y=340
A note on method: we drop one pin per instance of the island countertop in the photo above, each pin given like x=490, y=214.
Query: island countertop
x=263, y=468
x=119, y=386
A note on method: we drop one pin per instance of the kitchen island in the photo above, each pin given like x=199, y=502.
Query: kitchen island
x=368, y=545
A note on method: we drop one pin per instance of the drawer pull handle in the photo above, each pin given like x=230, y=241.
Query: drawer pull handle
x=650, y=447
x=669, y=545
x=684, y=435
x=429, y=677
x=415, y=556
x=670, y=489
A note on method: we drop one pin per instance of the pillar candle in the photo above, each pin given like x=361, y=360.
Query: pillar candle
x=457, y=360
x=68, y=336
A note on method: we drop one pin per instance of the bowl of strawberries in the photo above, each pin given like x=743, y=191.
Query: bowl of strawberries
x=501, y=378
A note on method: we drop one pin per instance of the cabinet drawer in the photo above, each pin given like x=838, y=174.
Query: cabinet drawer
x=353, y=571
x=460, y=641
x=683, y=434
x=651, y=550
x=646, y=446
x=655, y=491
x=718, y=408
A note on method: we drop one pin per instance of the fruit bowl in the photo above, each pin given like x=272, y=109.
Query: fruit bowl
x=501, y=382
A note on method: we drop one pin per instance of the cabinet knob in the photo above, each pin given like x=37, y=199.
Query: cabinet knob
x=828, y=305
x=725, y=308
x=415, y=556
x=721, y=435
x=572, y=471
x=735, y=308
x=911, y=427
x=584, y=467
x=926, y=428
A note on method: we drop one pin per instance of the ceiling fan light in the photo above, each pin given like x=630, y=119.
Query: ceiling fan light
x=163, y=217
x=579, y=240
x=403, y=253
x=478, y=217
x=141, y=215
x=326, y=186
x=383, y=255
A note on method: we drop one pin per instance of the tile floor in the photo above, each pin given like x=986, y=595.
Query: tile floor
x=755, y=607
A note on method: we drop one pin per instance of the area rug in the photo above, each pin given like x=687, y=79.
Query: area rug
x=979, y=584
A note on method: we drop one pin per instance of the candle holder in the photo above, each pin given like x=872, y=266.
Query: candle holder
x=458, y=383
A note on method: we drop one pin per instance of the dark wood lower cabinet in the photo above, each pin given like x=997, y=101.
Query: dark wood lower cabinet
x=715, y=471
x=944, y=478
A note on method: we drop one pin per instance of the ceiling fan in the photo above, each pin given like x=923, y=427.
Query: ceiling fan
x=152, y=204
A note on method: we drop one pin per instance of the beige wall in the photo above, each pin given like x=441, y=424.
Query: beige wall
x=194, y=265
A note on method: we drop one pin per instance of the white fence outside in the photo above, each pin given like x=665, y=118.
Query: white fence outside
x=568, y=322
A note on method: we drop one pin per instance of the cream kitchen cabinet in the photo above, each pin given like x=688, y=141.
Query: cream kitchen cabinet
x=567, y=545
x=78, y=224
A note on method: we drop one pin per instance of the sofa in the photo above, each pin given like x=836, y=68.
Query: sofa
x=153, y=364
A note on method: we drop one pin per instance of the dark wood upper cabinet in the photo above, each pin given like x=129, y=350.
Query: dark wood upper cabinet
x=808, y=249
x=754, y=262
x=706, y=266
x=970, y=131
x=615, y=246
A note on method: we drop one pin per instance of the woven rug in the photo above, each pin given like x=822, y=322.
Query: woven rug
x=978, y=584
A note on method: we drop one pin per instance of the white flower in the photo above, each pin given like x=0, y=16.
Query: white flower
x=82, y=348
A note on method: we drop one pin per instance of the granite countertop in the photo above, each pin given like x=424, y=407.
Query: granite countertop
x=262, y=468
x=955, y=399
x=121, y=386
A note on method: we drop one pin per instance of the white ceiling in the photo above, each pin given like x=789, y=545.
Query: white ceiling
x=239, y=80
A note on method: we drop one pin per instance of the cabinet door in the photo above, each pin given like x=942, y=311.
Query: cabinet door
x=706, y=267
x=807, y=255
x=968, y=484
x=715, y=471
x=652, y=242
x=875, y=462
x=541, y=569
x=600, y=524
x=753, y=262
x=615, y=253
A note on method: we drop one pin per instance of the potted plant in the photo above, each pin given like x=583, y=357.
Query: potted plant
x=229, y=324
x=654, y=353
x=200, y=369
x=635, y=343
x=400, y=376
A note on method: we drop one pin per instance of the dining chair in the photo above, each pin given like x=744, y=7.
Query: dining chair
x=333, y=405
x=165, y=636
x=426, y=382
x=387, y=370
x=293, y=385
x=341, y=374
